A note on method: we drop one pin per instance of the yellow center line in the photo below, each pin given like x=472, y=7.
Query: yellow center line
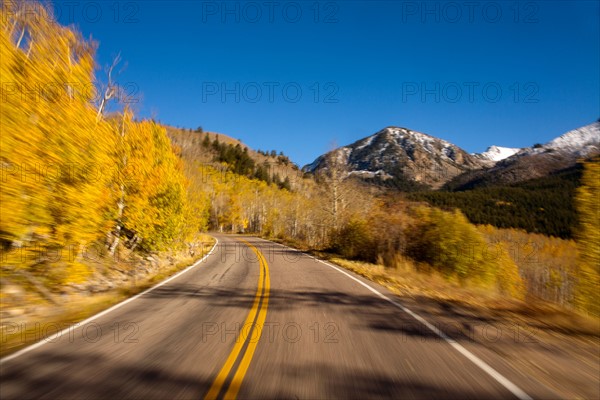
x=245, y=331
x=262, y=315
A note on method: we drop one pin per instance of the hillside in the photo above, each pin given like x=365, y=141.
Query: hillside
x=401, y=158
x=541, y=205
x=211, y=149
x=530, y=189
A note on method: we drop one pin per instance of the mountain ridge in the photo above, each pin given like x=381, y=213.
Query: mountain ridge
x=401, y=154
x=536, y=161
x=398, y=152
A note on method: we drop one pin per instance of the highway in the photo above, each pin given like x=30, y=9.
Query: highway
x=255, y=319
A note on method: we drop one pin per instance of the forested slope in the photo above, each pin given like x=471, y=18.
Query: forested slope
x=543, y=205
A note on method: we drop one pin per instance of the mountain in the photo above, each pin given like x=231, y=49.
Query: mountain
x=410, y=160
x=581, y=142
x=496, y=153
x=535, y=162
x=400, y=155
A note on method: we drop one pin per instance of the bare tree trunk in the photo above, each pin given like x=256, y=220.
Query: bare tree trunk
x=136, y=240
x=335, y=203
x=121, y=202
x=30, y=47
x=20, y=38
x=334, y=179
x=120, y=208
x=110, y=89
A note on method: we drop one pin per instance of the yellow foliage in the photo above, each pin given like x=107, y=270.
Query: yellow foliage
x=51, y=148
x=588, y=239
x=508, y=279
x=69, y=178
x=149, y=183
x=545, y=264
x=448, y=242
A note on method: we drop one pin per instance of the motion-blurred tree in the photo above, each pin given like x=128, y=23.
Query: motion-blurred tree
x=588, y=239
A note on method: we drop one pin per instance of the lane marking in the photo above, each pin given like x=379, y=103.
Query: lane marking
x=102, y=313
x=255, y=320
x=245, y=363
x=219, y=381
x=485, y=367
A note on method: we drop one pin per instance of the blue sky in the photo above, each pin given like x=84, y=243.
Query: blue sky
x=303, y=76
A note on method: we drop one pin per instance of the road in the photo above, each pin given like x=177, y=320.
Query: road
x=255, y=319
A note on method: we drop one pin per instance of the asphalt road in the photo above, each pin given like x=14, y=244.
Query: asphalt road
x=258, y=320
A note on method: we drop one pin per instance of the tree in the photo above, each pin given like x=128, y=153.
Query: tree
x=151, y=189
x=72, y=174
x=206, y=141
x=336, y=189
x=455, y=248
x=52, y=144
x=588, y=238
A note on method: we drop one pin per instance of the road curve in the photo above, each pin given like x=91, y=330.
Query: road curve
x=258, y=320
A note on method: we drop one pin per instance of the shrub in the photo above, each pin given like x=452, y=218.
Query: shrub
x=455, y=248
x=354, y=240
x=447, y=242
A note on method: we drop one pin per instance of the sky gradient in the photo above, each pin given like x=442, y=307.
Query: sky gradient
x=303, y=76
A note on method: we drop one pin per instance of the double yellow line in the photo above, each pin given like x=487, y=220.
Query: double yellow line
x=245, y=346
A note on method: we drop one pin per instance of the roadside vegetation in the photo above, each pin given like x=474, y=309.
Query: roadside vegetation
x=93, y=204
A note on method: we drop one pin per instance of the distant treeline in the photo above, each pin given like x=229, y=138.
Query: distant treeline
x=240, y=162
x=542, y=205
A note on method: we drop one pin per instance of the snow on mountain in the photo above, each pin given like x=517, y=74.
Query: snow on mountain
x=365, y=142
x=409, y=156
x=497, y=153
x=581, y=141
x=312, y=167
x=538, y=160
x=401, y=153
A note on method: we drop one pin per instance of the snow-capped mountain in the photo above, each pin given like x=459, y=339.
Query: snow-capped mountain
x=537, y=161
x=403, y=154
x=497, y=153
x=580, y=142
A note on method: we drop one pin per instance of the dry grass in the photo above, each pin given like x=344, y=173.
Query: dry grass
x=405, y=281
x=535, y=256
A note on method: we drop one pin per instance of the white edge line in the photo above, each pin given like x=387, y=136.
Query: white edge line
x=102, y=313
x=485, y=367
